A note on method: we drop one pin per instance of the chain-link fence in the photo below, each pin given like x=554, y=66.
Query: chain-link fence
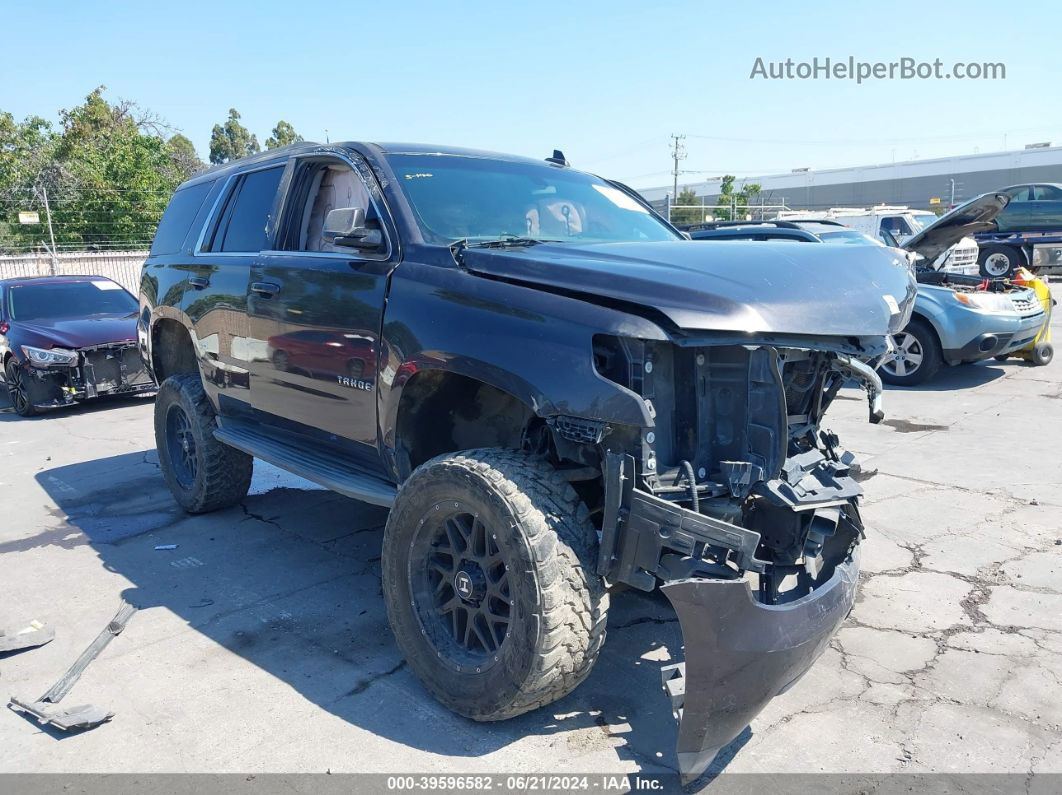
x=688, y=214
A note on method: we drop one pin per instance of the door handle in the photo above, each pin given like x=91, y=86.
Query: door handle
x=268, y=289
x=199, y=282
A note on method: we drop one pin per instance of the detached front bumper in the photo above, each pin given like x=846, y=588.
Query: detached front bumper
x=741, y=653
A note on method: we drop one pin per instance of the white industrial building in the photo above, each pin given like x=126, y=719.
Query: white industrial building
x=923, y=184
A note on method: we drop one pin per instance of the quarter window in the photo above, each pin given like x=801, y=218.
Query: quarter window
x=177, y=220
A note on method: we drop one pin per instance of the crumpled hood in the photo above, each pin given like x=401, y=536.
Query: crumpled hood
x=976, y=215
x=748, y=286
x=76, y=332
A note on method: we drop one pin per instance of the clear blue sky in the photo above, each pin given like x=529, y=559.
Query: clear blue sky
x=607, y=82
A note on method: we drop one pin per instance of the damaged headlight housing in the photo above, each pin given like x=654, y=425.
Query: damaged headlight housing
x=53, y=357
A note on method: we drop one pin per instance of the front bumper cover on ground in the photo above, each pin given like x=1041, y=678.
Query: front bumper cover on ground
x=741, y=653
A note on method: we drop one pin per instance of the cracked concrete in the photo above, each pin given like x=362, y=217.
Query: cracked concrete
x=262, y=645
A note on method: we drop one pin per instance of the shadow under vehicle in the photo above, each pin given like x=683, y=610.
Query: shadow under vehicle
x=566, y=395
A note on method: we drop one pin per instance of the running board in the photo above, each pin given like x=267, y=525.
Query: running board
x=333, y=471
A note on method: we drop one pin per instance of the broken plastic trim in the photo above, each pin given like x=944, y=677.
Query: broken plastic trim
x=741, y=653
x=84, y=716
x=28, y=637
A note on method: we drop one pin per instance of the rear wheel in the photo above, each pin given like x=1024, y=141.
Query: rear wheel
x=998, y=262
x=18, y=390
x=487, y=565
x=203, y=474
x=916, y=358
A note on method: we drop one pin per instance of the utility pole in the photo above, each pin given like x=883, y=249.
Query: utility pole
x=51, y=234
x=678, y=152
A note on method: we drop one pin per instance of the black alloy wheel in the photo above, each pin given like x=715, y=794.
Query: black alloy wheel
x=18, y=390
x=460, y=584
x=181, y=446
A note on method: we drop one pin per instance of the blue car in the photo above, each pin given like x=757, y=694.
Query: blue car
x=959, y=319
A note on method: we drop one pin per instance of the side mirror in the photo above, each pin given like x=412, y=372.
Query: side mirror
x=345, y=226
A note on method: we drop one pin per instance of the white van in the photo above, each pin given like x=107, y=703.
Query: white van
x=900, y=224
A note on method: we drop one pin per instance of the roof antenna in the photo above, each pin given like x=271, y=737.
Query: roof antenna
x=558, y=158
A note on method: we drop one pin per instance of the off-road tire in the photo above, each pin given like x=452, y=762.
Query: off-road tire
x=559, y=604
x=932, y=356
x=21, y=405
x=223, y=474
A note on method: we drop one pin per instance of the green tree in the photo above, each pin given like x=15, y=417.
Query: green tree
x=109, y=173
x=232, y=140
x=185, y=158
x=736, y=203
x=283, y=135
x=686, y=197
x=26, y=148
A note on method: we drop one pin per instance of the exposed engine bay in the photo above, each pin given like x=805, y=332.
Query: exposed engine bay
x=736, y=465
x=110, y=369
x=742, y=508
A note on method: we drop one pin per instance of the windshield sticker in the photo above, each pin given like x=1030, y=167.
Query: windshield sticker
x=107, y=285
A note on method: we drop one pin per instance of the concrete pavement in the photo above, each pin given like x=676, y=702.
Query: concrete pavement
x=262, y=645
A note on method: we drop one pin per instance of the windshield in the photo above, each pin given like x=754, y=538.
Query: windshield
x=63, y=300
x=467, y=198
x=847, y=237
x=925, y=219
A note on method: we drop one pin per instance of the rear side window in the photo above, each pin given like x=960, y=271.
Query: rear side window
x=177, y=220
x=242, y=227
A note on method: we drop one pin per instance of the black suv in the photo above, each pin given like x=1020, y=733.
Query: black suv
x=553, y=390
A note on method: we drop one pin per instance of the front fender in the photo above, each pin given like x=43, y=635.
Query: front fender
x=534, y=345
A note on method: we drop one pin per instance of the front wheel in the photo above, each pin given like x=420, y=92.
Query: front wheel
x=916, y=355
x=203, y=474
x=488, y=577
x=18, y=390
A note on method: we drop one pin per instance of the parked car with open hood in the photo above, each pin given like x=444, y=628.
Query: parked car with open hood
x=552, y=390
x=959, y=319
x=68, y=338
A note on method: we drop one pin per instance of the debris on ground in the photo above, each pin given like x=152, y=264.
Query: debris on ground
x=84, y=716
x=28, y=637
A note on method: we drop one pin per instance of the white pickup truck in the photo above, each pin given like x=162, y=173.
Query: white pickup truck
x=900, y=224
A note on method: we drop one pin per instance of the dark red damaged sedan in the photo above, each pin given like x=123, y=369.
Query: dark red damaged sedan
x=68, y=338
